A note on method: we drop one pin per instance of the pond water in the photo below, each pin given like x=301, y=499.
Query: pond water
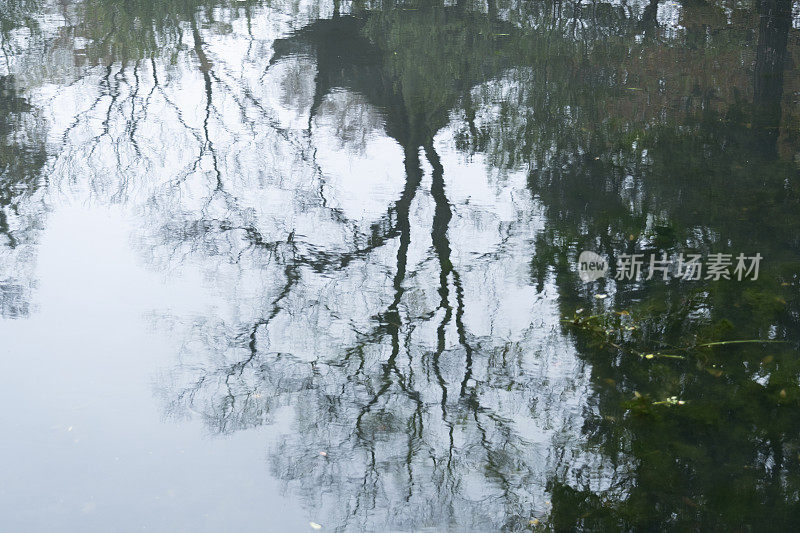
x=297, y=266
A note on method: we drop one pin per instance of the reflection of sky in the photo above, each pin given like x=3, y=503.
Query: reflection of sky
x=197, y=193
x=84, y=444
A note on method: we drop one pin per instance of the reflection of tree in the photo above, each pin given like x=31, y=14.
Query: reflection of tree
x=653, y=182
x=406, y=358
x=773, y=33
x=22, y=156
x=423, y=421
x=407, y=418
x=15, y=15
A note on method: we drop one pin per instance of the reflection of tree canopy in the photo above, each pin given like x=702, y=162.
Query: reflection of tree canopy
x=417, y=355
x=718, y=176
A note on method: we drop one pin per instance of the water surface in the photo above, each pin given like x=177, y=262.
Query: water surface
x=271, y=265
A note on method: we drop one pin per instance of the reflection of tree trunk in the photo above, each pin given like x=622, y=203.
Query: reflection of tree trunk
x=469, y=109
x=391, y=318
x=441, y=220
x=649, y=22
x=773, y=32
x=205, y=68
x=402, y=212
x=441, y=244
x=205, y=64
x=491, y=8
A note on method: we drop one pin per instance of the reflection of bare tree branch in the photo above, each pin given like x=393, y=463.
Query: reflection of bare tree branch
x=371, y=397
